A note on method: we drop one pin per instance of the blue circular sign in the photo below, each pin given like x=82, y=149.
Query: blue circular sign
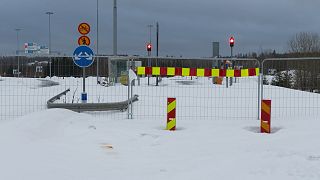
x=83, y=56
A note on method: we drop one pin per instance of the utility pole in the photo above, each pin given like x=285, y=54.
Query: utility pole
x=49, y=14
x=17, y=53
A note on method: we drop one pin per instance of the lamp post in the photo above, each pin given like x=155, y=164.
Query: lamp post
x=97, y=50
x=17, y=52
x=49, y=14
x=115, y=28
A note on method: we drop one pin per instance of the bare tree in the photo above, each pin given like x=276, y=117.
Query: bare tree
x=304, y=42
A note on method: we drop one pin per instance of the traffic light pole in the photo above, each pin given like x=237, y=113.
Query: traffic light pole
x=227, y=79
x=231, y=43
x=149, y=50
x=157, y=78
x=233, y=65
x=231, y=79
x=149, y=65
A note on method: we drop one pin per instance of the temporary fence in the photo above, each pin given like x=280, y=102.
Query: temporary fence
x=293, y=85
x=27, y=83
x=204, y=88
x=200, y=88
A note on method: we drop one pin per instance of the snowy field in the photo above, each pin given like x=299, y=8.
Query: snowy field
x=60, y=144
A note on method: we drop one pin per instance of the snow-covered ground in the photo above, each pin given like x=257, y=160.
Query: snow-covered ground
x=61, y=144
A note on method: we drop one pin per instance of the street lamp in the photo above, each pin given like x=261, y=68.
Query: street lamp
x=17, y=52
x=49, y=14
x=115, y=28
x=97, y=41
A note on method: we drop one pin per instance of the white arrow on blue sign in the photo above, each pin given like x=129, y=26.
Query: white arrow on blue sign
x=83, y=56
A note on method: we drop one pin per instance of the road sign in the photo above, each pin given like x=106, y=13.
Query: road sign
x=84, y=41
x=84, y=28
x=83, y=56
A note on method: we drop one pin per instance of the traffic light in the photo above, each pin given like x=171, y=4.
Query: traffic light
x=149, y=47
x=231, y=41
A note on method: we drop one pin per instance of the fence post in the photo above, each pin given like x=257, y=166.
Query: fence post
x=261, y=73
x=259, y=98
x=171, y=114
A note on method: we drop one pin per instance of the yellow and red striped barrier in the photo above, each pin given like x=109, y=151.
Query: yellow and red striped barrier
x=265, y=116
x=171, y=114
x=199, y=72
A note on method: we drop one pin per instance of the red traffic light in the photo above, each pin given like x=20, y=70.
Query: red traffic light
x=231, y=41
x=149, y=47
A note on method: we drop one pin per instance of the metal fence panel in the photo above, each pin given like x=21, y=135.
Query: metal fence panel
x=199, y=97
x=29, y=90
x=293, y=85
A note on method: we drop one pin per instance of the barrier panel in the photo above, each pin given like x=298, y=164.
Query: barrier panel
x=27, y=83
x=200, y=86
x=29, y=90
x=293, y=84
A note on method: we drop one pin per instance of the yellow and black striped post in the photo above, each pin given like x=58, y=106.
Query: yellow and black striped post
x=171, y=114
x=266, y=116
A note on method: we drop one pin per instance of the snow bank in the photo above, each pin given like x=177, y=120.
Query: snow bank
x=60, y=144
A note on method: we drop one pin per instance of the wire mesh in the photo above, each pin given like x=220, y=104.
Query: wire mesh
x=28, y=89
x=293, y=85
x=198, y=97
x=26, y=86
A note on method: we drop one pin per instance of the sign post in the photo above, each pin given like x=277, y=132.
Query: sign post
x=83, y=55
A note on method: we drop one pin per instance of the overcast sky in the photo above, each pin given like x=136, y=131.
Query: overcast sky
x=187, y=27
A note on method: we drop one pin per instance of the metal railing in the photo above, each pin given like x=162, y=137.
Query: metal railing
x=83, y=107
